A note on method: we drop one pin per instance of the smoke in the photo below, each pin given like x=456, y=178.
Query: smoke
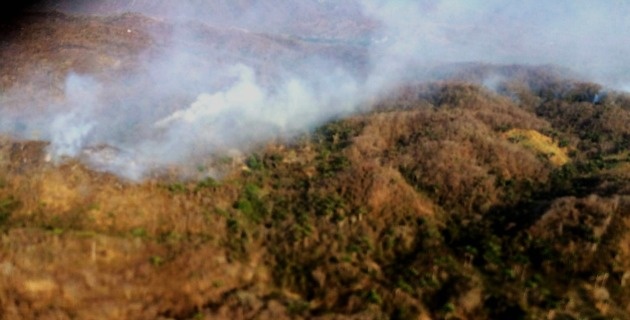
x=585, y=36
x=234, y=74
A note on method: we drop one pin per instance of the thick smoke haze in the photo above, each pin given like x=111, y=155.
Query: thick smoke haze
x=233, y=74
x=584, y=36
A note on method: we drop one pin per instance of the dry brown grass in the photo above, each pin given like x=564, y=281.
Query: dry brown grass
x=540, y=143
x=139, y=249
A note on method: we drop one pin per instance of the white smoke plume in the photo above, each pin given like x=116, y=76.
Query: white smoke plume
x=284, y=67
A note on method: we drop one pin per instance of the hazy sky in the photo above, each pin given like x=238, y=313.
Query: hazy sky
x=587, y=36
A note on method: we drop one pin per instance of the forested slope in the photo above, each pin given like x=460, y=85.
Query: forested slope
x=444, y=202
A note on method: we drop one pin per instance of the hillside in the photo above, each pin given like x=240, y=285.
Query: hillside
x=426, y=206
x=309, y=18
x=447, y=199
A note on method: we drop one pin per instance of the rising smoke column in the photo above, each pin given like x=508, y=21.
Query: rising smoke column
x=286, y=67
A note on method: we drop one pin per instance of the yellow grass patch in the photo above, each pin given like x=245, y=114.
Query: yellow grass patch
x=539, y=142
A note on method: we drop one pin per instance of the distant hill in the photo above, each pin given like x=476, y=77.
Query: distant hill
x=306, y=18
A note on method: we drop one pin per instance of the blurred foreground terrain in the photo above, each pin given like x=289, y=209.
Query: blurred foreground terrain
x=446, y=200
